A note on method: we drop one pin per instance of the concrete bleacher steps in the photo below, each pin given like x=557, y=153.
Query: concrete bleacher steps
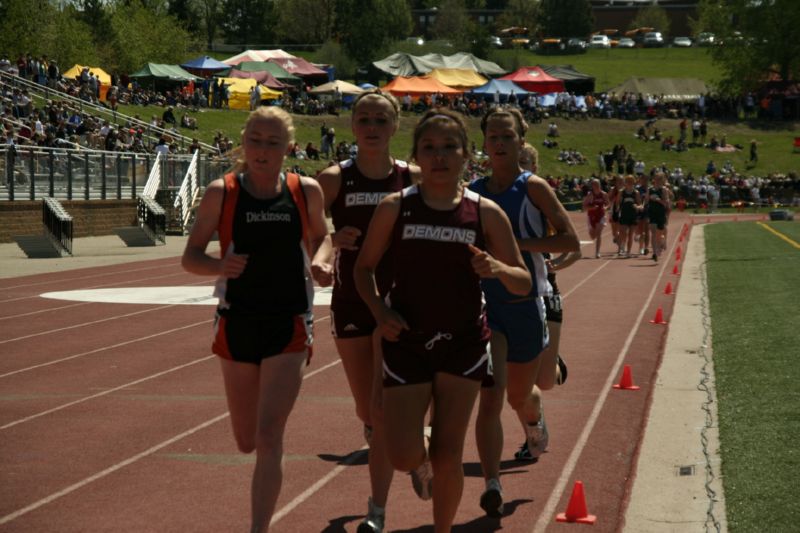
x=39, y=246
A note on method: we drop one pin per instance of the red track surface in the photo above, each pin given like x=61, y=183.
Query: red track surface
x=113, y=415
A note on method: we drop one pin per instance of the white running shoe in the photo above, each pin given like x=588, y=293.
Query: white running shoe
x=374, y=521
x=492, y=499
x=538, y=437
x=422, y=480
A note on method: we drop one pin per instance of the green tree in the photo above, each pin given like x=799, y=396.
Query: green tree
x=248, y=21
x=365, y=28
x=453, y=23
x=651, y=17
x=759, y=37
x=523, y=13
x=19, y=31
x=142, y=34
x=305, y=21
x=185, y=11
x=68, y=40
x=211, y=13
x=332, y=53
x=565, y=18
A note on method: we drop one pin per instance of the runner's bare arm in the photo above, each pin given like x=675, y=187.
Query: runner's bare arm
x=195, y=259
x=565, y=238
x=375, y=244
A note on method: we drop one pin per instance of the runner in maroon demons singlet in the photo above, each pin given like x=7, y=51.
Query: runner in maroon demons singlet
x=440, y=147
x=358, y=196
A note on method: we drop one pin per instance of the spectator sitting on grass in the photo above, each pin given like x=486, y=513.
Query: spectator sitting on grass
x=188, y=122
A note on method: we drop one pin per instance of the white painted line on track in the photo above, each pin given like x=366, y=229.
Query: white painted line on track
x=548, y=511
x=310, y=491
x=93, y=276
x=84, y=324
x=584, y=280
x=101, y=349
x=42, y=311
x=109, y=470
x=117, y=284
x=113, y=468
x=106, y=392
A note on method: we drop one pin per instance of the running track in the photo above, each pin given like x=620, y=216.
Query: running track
x=113, y=415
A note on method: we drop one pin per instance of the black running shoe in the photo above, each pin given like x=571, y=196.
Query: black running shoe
x=524, y=454
x=562, y=367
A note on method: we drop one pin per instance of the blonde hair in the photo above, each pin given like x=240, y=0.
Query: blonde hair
x=529, y=151
x=264, y=112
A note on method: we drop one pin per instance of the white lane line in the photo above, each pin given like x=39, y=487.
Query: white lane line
x=43, y=311
x=113, y=468
x=84, y=324
x=101, y=349
x=109, y=470
x=584, y=280
x=548, y=511
x=313, y=489
x=105, y=392
x=93, y=276
x=116, y=284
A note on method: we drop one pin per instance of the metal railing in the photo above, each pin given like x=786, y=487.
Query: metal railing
x=32, y=172
x=188, y=193
x=153, y=180
x=151, y=133
x=58, y=224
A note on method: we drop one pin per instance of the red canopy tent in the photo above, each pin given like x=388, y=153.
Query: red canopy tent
x=536, y=80
x=418, y=86
x=302, y=68
x=263, y=77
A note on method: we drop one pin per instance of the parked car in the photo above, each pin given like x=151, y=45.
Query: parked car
x=682, y=42
x=576, y=45
x=419, y=41
x=600, y=41
x=706, y=39
x=626, y=42
x=495, y=41
x=653, y=39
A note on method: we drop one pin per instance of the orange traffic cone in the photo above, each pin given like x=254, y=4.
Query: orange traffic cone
x=678, y=253
x=675, y=271
x=668, y=288
x=576, y=508
x=626, y=382
x=680, y=237
x=659, y=318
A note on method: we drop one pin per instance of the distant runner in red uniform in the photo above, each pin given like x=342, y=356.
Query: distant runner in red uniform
x=595, y=203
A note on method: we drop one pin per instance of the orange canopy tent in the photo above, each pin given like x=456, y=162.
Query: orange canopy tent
x=416, y=86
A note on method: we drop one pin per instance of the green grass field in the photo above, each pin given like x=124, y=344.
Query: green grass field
x=752, y=278
x=775, y=148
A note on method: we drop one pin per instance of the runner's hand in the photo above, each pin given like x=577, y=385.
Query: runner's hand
x=233, y=265
x=346, y=238
x=484, y=264
x=391, y=324
x=322, y=273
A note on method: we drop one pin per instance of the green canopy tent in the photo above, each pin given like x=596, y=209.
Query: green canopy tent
x=158, y=75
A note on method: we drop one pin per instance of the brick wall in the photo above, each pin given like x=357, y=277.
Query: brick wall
x=90, y=218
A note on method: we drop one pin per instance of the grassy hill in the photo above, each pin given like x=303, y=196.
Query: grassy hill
x=610, y=67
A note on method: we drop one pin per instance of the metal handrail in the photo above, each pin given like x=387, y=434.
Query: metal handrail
x=47, y=93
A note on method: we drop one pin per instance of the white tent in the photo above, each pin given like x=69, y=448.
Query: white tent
x=330, y=88
x=258, y=55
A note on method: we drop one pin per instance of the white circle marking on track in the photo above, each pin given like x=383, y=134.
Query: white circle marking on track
x=181, y=295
